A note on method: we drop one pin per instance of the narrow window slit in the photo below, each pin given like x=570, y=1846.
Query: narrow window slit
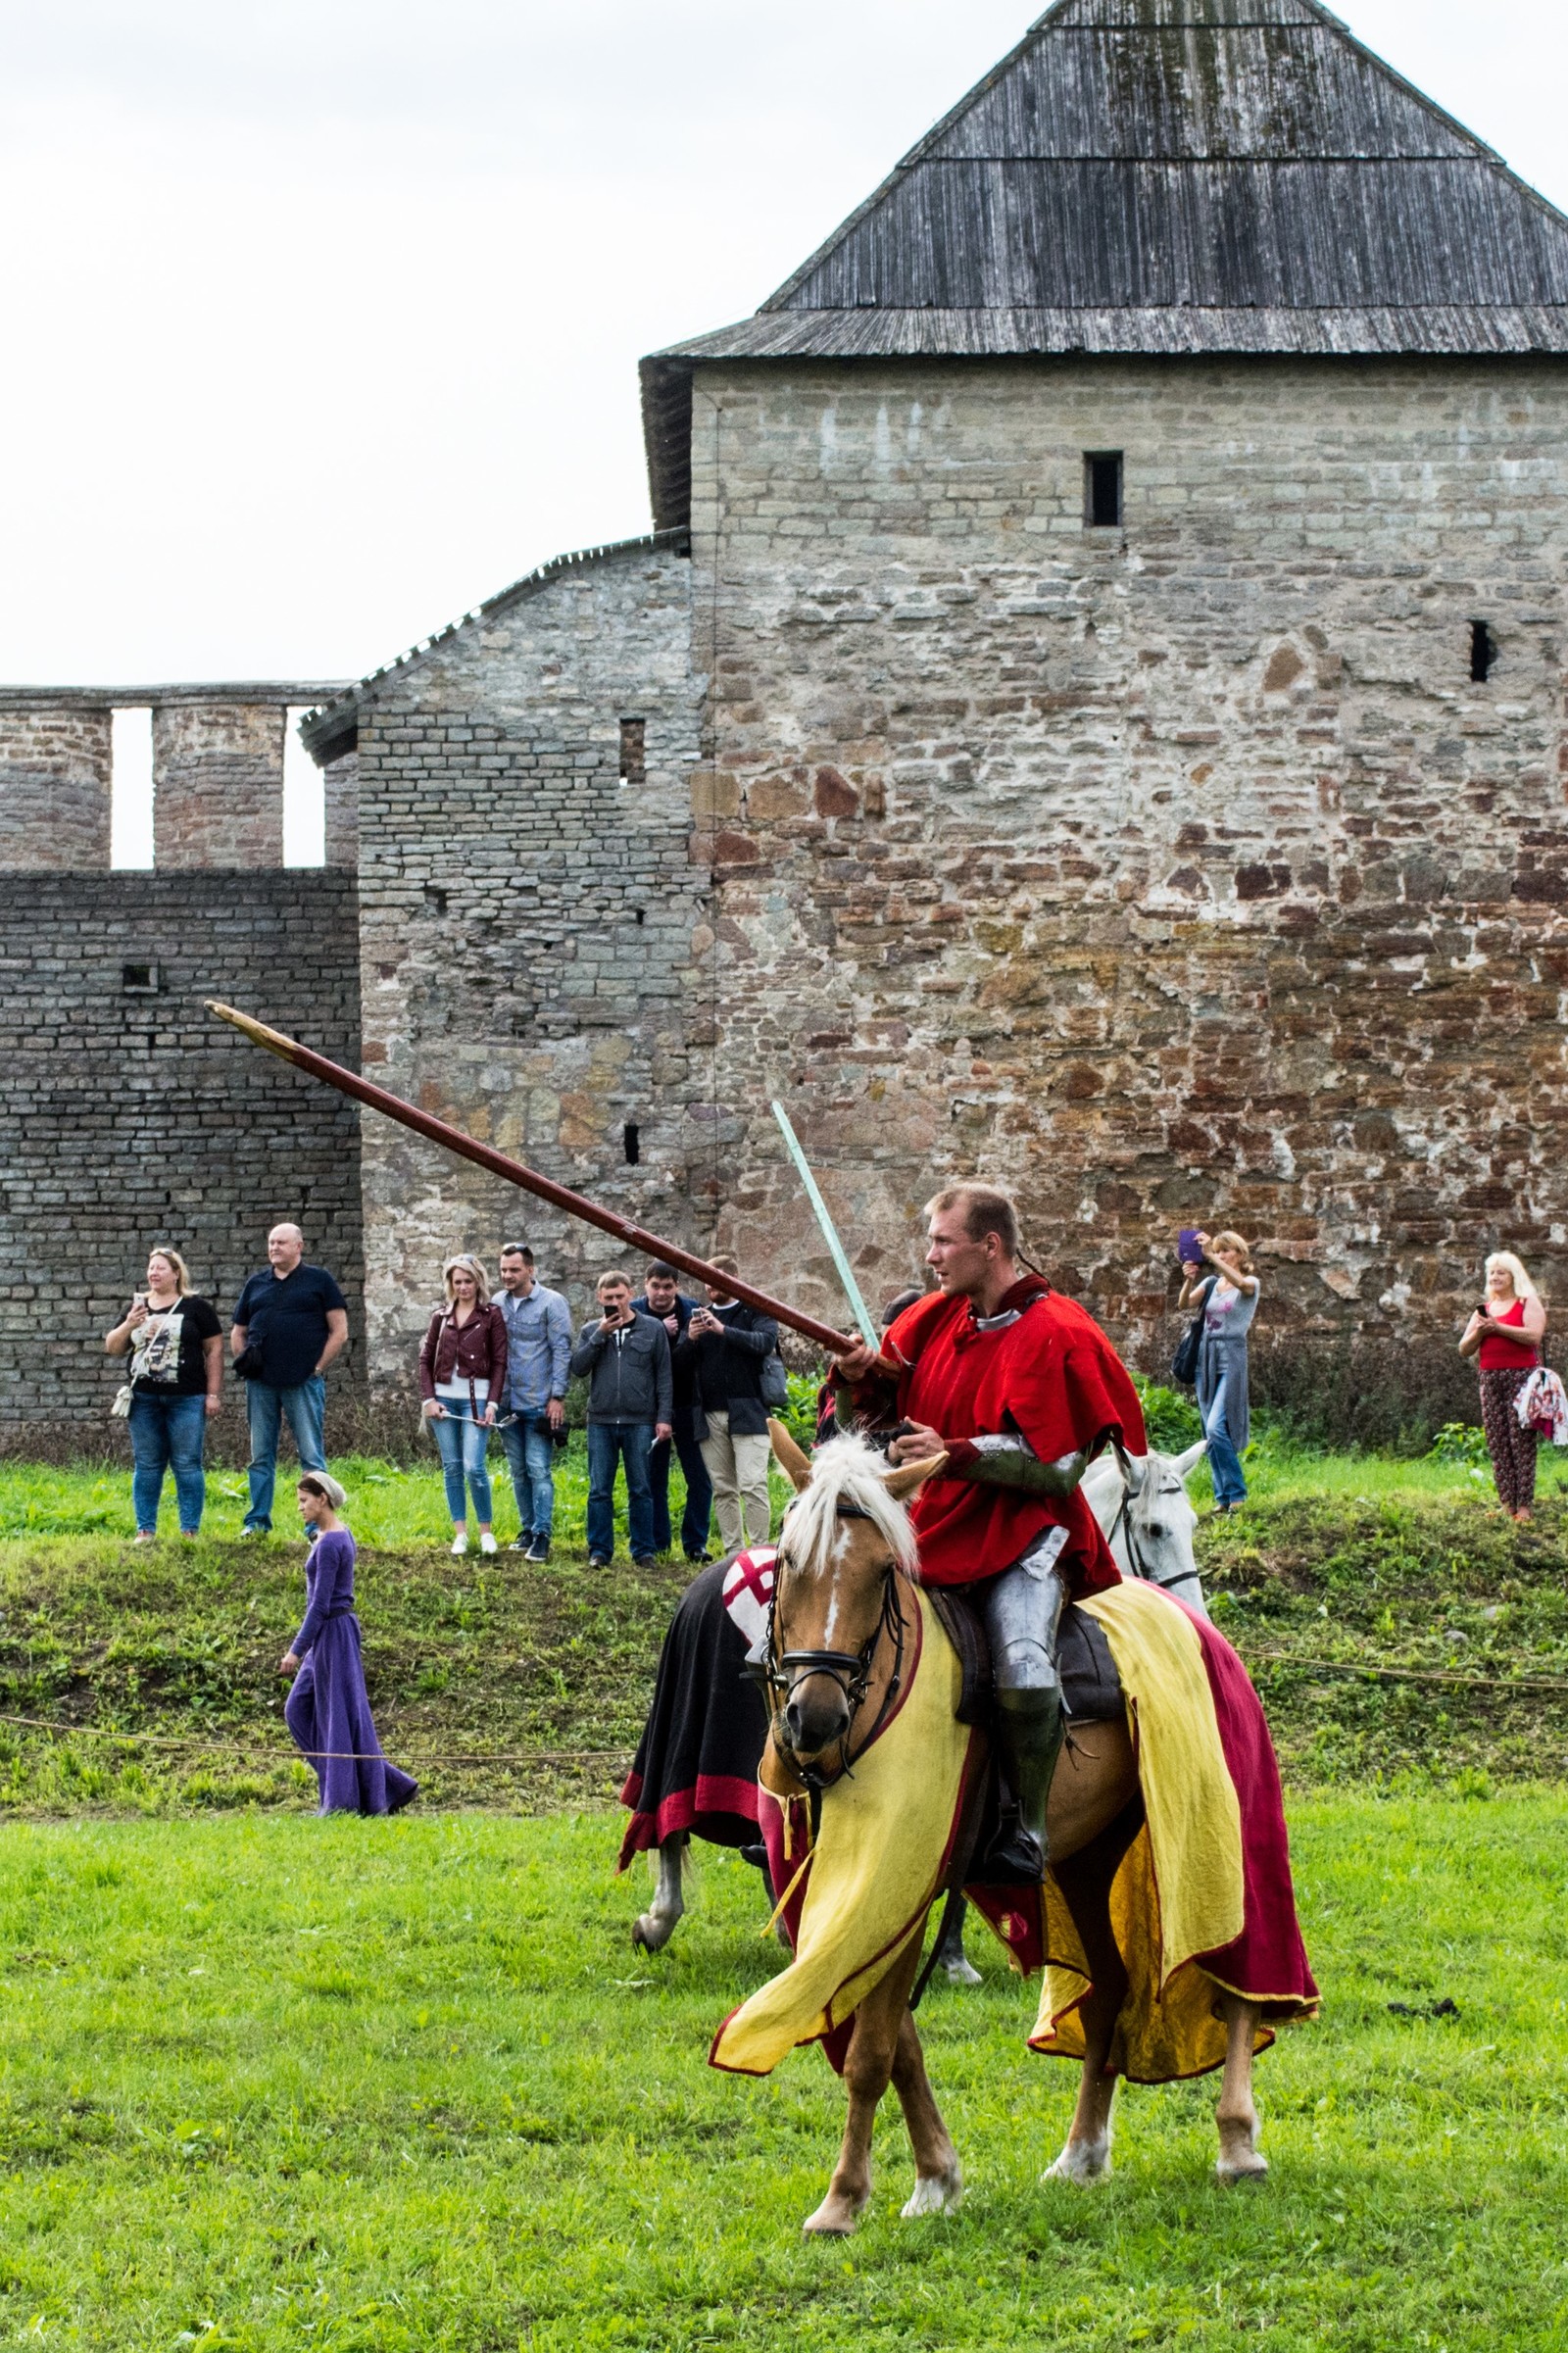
x=634, y=750
x=630, y=1144
x=1483, y=652
x=140, y=980
x=1102, y=489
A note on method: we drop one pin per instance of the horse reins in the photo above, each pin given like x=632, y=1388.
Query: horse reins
x=850, y=1670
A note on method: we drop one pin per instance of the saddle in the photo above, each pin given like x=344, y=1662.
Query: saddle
x=1090, y=1687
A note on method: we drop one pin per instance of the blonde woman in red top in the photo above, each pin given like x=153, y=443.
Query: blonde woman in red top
x=1506, y=1331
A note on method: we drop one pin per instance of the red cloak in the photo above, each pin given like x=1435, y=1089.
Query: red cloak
x=1049, y=1374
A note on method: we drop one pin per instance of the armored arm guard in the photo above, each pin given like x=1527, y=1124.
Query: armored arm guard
x=1009, y=1460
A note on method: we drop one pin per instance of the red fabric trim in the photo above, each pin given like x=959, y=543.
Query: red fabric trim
x=1267, y=1962
x=686, y=1809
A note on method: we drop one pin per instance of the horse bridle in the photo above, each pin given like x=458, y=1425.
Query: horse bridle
x=1124, y=1522
x=850, y=1670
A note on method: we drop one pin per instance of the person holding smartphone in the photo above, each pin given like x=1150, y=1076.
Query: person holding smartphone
x=1229, y=1293
x=624, y=1358
x=176, y=1343
x=1505, y=1332
x=727, y=1344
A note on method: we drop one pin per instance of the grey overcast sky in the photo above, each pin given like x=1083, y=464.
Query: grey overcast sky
x=323, y=315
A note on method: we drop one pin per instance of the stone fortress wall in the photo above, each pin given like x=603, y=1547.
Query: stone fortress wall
x=1173, y=873
x=529, y=905
x=127, y=1116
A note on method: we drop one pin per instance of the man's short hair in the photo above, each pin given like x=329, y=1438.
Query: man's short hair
x=987, y=1210
x=659, y=1272
x=613, y=1274
x=722, y=1264
x=517, y=1250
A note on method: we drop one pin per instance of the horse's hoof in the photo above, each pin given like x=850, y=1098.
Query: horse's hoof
x=649, y=1934
x=1240, y=2157
x=836, y=2218
x=962, y=1972
x=1083, y=2162
x=934, y=2193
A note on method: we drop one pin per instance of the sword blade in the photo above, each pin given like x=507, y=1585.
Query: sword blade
x=852, y=1289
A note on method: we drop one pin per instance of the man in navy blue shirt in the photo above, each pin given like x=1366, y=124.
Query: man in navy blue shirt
x=664, y=1299
x=294, y=1319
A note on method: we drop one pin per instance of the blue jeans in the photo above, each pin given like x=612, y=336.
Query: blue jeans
x=531, y=1459
x=461, y=1441
x=699, y=1495
x=610, y=1443
x=266, y=1408
x=167, y=1431
x=1224, y=1464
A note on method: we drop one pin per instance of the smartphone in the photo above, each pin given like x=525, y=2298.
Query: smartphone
x=1188, y=1246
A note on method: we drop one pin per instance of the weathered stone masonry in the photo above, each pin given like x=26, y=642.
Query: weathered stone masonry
x=1177, y=872
x=526, y=923
x=129, y=1117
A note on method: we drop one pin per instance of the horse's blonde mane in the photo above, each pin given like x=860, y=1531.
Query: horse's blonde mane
x=845, y=1471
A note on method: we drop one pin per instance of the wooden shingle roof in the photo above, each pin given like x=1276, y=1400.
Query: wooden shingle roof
x=1165, y=176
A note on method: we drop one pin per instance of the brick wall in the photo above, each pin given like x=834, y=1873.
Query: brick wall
x=130, y=1116
x=527, y=922
x=218, y=784
x=1176, y=874
x=55, y=767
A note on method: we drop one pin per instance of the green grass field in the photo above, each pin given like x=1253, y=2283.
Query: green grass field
x=272, y=2081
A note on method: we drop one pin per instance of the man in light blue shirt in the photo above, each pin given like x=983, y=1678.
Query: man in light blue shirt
x=538, y=1353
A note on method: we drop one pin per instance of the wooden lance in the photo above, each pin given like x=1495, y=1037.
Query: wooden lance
x=576, y=1204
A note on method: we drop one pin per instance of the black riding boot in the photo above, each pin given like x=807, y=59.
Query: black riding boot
x=1022, y=1612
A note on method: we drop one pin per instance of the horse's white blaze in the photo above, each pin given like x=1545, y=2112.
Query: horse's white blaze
x=844, y=1471
x=1160, y=1513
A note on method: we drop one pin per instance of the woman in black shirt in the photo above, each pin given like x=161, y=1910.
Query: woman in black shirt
x=177, y=1375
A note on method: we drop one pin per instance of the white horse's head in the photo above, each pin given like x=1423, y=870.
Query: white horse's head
x=1153, y=1537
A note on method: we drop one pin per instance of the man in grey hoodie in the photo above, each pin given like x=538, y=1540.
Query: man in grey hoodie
x=624, y=1358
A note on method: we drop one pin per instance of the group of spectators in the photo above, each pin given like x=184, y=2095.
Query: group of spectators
x=670, y=1378
x=289, y=1322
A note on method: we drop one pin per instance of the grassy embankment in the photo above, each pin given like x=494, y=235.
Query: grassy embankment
x=507, y=1685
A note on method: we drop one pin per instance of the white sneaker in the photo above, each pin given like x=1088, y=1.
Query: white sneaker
x=487, y=1541
x=459, y=1546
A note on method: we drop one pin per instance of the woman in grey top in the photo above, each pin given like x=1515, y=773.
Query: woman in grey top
x=1229, y=1293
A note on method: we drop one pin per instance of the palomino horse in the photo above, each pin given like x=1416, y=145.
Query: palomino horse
x=845, y=1557
x=1141, y=1503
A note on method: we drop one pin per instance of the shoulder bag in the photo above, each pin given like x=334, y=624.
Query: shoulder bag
x=1184, y=1364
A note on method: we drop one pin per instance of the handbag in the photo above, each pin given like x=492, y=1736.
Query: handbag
x=248, y=1363
x=1184, y=1364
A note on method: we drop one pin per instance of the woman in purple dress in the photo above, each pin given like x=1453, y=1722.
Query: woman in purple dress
x=327, y=1710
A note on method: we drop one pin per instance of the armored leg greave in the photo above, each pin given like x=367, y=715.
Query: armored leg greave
x=1022, y=1612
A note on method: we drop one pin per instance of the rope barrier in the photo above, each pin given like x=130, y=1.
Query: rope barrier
x=291, y=1755
x=1474, y=1683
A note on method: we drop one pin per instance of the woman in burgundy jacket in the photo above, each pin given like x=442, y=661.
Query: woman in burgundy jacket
x=463, y=1379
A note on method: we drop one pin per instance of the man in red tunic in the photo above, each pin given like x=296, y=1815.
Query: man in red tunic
x=1021, y=1389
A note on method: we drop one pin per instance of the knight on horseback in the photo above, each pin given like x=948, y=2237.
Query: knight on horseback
x=1020, y=1389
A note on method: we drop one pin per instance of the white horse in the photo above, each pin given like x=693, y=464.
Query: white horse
x=1147, y=1517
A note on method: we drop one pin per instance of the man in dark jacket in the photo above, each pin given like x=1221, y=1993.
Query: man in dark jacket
x=727, y=1344
x=664, y=1299
x=624, y=1358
